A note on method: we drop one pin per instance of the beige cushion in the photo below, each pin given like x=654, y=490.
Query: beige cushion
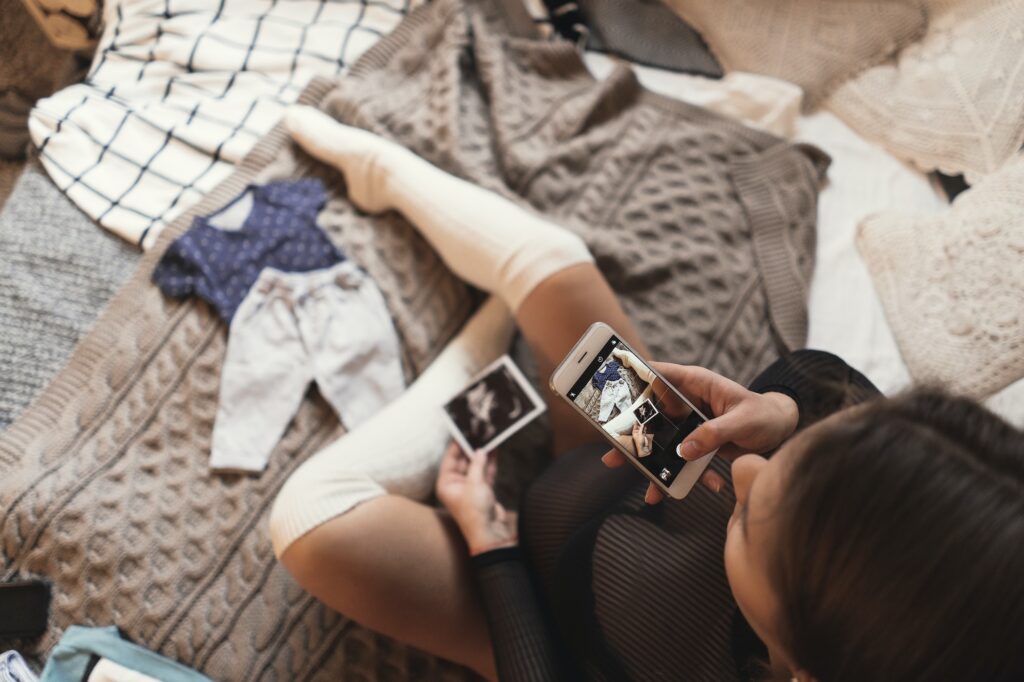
x=814, y=43
x=954, y=101
x=952, y=285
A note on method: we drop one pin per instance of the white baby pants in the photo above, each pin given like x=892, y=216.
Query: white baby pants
x=614, y=394
x=330, y=326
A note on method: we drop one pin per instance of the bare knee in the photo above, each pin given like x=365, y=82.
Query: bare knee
x=314, y=496
x=315, y=553
x=329, y=561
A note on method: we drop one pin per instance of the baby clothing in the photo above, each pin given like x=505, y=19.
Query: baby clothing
x=398, y=450
x=75, y=657
x=609, y=372
x=330, y=326
x=615, y=394
x=14, y=669
x=107, y=670
x=179, y=92
x=222, y=255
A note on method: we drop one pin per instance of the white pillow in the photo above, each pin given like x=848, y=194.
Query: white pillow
x=760, y=102
x=815, y=44
x=953, y=285
x=953, y=101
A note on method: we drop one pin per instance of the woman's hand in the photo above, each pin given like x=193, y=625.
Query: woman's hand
x=743, y=421
x=465, y=485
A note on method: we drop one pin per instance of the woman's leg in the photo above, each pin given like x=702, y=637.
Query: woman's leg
x=400, y=568
x=391, y=563
x=350, y=526
x=543, y=272
x=552, y=318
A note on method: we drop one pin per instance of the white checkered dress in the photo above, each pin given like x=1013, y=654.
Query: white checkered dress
x=180, y=90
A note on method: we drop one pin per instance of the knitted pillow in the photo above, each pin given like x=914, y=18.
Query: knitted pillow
x=953, y=101
x=952, y=285
x=814, y=43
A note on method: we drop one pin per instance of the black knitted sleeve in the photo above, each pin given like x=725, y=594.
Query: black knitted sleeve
x=524, y=651
x=819, y=382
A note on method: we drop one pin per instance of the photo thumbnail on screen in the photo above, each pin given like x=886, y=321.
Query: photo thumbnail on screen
x=624, y=396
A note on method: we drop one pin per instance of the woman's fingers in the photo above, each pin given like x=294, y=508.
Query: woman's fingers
x=477, y=471
x=714, y=434
x=613, y=459
x=653, y=495
x=713, y=481
x=696, y=383
x=450, y=461
x=491, y=471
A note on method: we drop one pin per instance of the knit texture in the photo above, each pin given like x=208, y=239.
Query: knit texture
x=816, y=44
x=58, y=271
x=953, y=101
x=105, y=486
x=953, y=285
x=660, y=191
x=704, y=228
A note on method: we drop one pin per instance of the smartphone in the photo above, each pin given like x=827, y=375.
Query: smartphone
x=24, y=608
x=640, y=413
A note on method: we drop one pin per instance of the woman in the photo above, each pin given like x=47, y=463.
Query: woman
x=882, y=540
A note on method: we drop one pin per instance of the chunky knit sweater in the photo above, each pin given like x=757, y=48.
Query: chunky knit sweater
x=703, y=227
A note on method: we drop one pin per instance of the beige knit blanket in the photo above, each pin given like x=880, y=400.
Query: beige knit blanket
x=703, y=227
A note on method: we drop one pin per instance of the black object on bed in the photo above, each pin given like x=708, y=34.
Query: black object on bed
x=642, y=31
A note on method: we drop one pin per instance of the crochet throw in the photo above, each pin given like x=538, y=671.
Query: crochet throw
x=703, y=227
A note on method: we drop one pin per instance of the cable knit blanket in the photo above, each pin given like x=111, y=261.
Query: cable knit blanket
x=704, y=228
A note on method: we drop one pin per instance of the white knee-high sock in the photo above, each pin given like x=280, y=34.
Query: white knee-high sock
x=484, y=238
x=396, y=451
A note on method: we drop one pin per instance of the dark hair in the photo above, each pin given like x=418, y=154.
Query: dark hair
x=900, y=553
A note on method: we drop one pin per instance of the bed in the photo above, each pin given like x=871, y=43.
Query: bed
x=845, y=317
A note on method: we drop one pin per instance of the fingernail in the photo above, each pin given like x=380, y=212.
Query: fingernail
x=716, y=486
x=690, y=449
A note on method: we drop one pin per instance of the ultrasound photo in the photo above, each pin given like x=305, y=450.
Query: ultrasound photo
x=497, y=403
x=645, y=412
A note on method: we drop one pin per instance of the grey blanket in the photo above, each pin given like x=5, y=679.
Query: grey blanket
x=703, y=227
x=59, y=269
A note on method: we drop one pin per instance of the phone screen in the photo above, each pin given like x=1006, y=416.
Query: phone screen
x=622, y=395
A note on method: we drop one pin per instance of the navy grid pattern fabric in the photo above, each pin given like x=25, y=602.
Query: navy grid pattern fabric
x=180, y=91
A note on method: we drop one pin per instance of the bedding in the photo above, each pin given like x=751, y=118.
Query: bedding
x=115, y=449
x=863, y=179
x=179, y=92
x=238, y=604
x=59, y=270
x=758, y=101
x=956, y=305
x=122, y=511
x=846, y=317
x=953, y=101
x=816, y=44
